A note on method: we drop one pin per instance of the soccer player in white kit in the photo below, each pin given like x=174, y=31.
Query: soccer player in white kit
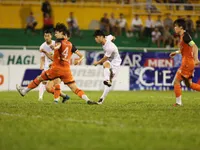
x=45, y=63
x=111, y=60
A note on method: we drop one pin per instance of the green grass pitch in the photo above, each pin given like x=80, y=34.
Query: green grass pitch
x=142, y=120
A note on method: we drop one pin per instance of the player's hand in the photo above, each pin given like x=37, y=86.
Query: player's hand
x=76, y=61
x=95, y=63
x=172, y=54
x=52, y=47
x=197, y=63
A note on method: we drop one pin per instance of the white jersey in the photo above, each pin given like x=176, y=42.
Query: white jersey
x=47, y=48
x=111, y=51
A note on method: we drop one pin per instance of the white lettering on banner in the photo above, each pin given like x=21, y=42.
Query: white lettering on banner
x=26, y=82
x=87, y=72
x=142, y=72
x=132, y=62
x=160, y=62
x=29, y=57
x=86, y=77
x=165, y=77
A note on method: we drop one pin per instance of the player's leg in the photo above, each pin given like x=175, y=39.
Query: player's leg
x=194, y=86
x=68, y=80
x=63, y=95
x=42, y=88
x=79, y=92
x=177, y=89
x=108, y=75
x=32, y=85
x=50, y=87
x=46, y=75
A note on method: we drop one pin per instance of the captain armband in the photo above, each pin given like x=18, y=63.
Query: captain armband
x=191, y=43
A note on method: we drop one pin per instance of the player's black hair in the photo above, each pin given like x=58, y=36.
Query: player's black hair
x=68, y=34
x=99, y=33
x=60, y=27
x=180, y=23
x=48, y=31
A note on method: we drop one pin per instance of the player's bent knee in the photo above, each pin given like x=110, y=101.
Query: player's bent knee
x=106, y=65
x=57, y=87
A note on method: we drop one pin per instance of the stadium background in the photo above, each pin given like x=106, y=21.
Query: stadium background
x=137, y=114
x=138, y=54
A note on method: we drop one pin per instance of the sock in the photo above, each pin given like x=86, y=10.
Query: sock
x=177, y=91
x=178, y=100
x=105, y=92
x=84, y=97
x=34, y=83
x=52, y=90
x=57, y=91
x=56, y=100
x=106, y=74
x=195, y=86
x=81, y=94
x=41, y=90
x=26, y=90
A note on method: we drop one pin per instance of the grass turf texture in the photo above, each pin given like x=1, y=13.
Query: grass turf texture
x=127, y=120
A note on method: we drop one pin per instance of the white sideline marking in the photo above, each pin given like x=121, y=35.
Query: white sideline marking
x=96, y=122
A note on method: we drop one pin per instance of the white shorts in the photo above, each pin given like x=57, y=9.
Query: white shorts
x=114, y=68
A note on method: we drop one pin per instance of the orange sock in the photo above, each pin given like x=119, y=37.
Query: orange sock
x=177, y=90
x=79, y=92
x=195, y=86
x=57, y=91
x=34, y=83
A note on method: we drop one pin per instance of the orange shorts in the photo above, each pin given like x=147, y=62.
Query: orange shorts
x=185, y=71
x=56, y=72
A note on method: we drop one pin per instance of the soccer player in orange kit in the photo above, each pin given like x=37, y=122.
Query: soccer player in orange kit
x=60, y=67
x=189, y=52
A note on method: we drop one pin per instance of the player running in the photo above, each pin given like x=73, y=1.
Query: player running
x=189, y=52
x=45, y=62
x=60, y=67
x=111, y=61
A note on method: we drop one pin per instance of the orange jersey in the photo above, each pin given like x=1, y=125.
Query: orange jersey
x=186, y=49
x=186, y=69
x=63, y=55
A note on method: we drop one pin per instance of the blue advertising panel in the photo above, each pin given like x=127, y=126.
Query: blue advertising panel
x=148, y=70
x=29, y=75
x=140, y=59
x=149, y=78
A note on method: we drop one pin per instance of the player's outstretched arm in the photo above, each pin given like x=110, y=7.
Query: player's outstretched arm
x=47, y=54
x=172, y=54
x=195, y=52
x=81, y=57
x=42, y=60
x=101, y=61
x=57, y=46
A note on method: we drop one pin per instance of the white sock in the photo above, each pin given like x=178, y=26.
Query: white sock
x=106, y=74
x=56, y=100
x=84, y=97
x=26, y=90
x=178, y=100
x=41, y=90
x=105, y=92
